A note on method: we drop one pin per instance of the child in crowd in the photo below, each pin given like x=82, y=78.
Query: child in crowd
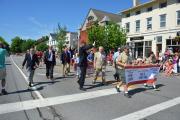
x=76, y=65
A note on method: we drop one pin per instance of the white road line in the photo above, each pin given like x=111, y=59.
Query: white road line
x=41, y=74
x=150, y=110
x=25, y=77
x=31, y=104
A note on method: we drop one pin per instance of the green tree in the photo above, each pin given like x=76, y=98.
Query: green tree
x=61, y=37
x=42, y=47
x=109, y=36
x=27, y=44
x=16, y=45
x=3, y=41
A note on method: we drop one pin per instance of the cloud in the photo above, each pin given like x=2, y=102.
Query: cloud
x=42, y=29
x=35, y=21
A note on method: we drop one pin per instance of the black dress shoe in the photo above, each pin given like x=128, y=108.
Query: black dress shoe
x=83, y=89
x=78, y=82
x=127, y=95
x=4, y=92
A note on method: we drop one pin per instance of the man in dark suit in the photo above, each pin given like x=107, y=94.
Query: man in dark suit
x=65, y=59
x=31, y=61
x=83, y=63
x=50, y=61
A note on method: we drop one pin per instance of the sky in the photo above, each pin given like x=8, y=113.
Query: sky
x=36, y=18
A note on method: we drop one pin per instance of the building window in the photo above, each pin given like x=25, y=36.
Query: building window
x=138, y=12
x=178, y=17
x=128, y=27
x=159, y=39
x=163, y=20
x=149, y=9
x=128, y=15
x=149, y=23
x=162, y=5
x=137, y=25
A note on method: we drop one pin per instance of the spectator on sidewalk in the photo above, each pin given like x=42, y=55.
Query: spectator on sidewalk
x=3, y=54
x=50, y=61
x=31, y=61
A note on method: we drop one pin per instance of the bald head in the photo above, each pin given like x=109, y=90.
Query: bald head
x=101, y=49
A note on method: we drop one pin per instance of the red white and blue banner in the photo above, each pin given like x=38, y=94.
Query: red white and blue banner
x=141, y=74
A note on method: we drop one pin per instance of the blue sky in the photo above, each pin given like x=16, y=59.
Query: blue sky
x=35, y=18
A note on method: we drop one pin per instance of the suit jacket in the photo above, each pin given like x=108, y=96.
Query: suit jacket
x=83, y=55
x=100, y=60
x=47, y=55
x=30, y=62
x=65, y=57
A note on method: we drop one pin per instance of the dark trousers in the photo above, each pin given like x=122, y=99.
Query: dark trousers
x=49, y=69
x=82, y=76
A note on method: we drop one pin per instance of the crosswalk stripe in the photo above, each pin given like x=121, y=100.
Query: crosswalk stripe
x=138, y=115
x=32, y=104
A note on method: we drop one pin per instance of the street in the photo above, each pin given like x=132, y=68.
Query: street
x=62, y=100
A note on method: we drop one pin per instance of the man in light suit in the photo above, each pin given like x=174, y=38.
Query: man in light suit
x=100, y=64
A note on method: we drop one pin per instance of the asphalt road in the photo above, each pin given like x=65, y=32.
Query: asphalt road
x=69, y=103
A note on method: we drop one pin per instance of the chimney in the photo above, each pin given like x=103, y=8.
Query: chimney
x=135, y=3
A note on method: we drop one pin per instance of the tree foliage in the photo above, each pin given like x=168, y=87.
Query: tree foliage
x=42, y=47
x=110, y=36
x=3, y=41
x=16, y=45
x=27, y=44
x=61, y=36
x=19, y=45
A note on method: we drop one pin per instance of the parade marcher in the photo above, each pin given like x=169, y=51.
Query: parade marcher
x=83, y=63
x=69, y=61
x=151, y=60
x=50, y=61
x=90, y=59
x=115, y=56
x=3, y=54
x=65, y=60
x=100, y=64
x=31, y=61
x=123, y=60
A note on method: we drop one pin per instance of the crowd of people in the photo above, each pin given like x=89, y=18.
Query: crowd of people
x=86, y=61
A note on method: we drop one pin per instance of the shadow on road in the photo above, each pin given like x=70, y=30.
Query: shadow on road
x=41, y=83
x=26, y=90
x=138, y=90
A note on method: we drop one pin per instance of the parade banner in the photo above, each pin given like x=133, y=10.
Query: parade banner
x=141, y=74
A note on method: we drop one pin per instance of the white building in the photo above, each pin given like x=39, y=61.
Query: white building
x=71, y=40
x=152, y=26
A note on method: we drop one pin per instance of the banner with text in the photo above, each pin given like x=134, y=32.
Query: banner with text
x=141, y=74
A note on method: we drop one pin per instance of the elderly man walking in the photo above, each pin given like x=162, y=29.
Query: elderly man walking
x=3, y=54
x=123, y=60
x=100, y=64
